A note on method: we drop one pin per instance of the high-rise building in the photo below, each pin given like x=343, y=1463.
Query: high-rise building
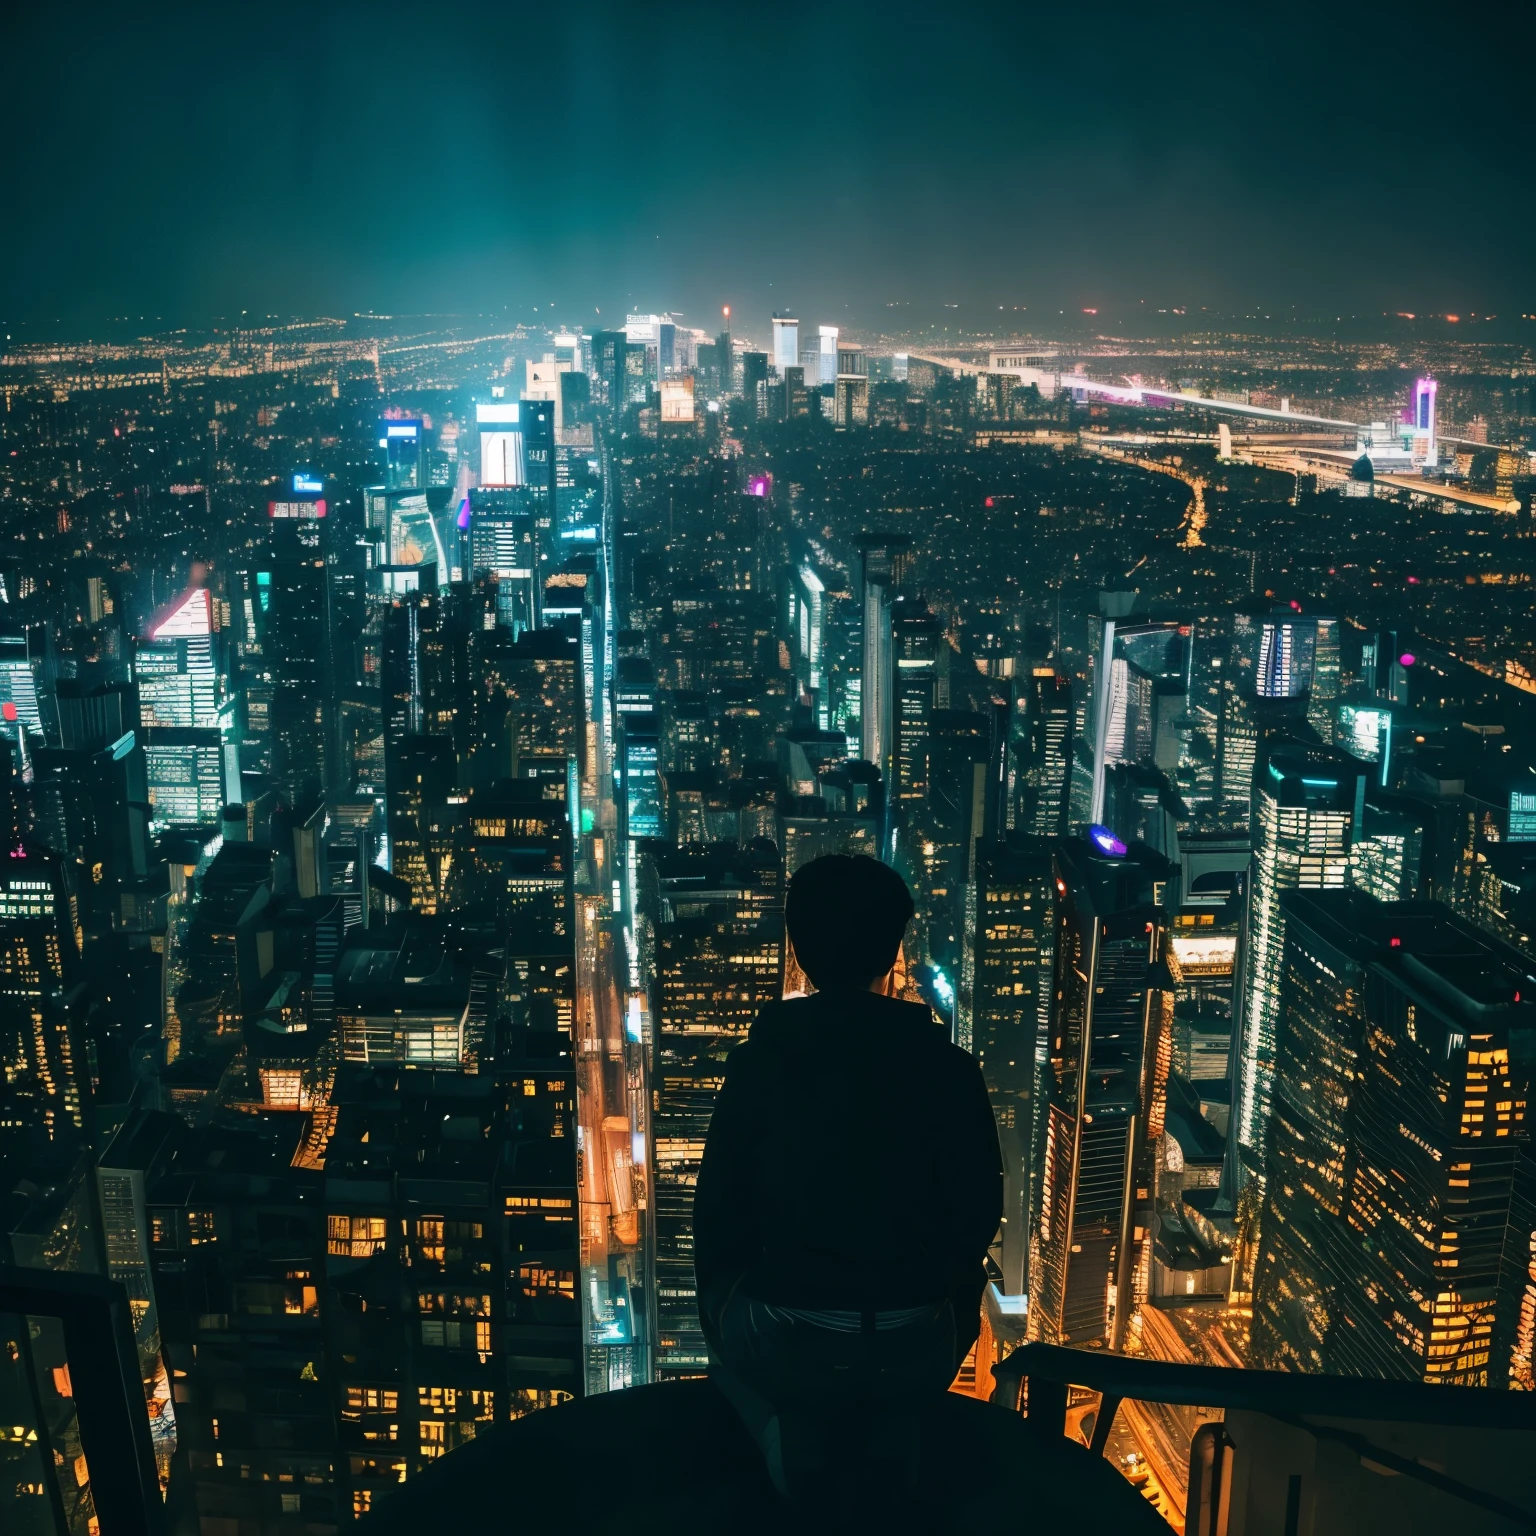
x=1048, y=754
x=517, y=861
x=451, y=1259
x=1108, y=1049
x=503, y=543
x=46, y=1089
x=919, y=684
x=298, y=652
x=786, y=344
x=1397, y=1108
x=424, y=815
x=754, y=381
x=403, y=453
x=403, y=996
x=174, y=665
x=826, y=355
x=717, y=916
x=1003, y=1016
x=850, y=398
x=185, y=776
x=884, y=560
x=1308, y=809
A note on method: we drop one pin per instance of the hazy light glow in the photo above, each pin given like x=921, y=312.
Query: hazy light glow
x=1106, y=842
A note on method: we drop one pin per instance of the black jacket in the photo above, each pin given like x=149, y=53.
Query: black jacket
x=852, y=1160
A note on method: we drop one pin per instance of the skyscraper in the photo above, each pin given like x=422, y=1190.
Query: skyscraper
x=1398, y=1105
x=884, y=560
x=1047, y=767
x=717, y=913
x=1308, y=809
x=786, y=344
x=174, y=664
x=1108, y=1051
x=1004, y=1013
x=299, y=652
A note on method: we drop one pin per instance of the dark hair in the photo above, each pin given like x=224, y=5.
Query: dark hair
x=846, y=914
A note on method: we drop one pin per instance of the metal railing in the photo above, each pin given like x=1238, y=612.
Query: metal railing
x=106, y=1389
x=1036, y=1379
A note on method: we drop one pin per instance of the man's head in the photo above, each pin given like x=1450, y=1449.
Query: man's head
x=846, y=915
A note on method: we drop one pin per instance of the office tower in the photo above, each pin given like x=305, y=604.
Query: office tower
x=1004, y=1010
x=88, y=798
x=403, y=454
x=1422, y=444
x=503, y=543
x=884, y=560
x=1399, y=1098
x=850, y=400
x=754, y=381
x=725, y=355
x=298, y=655
x=20, y=664
x=608, y=370
x=717, y=915
x=1047, y=766
x=1140, y=688
x=919, y=683
x=1323, y=694
x=123, y=1174
x=1308, y=808
x=651, y=335
x=786, y=344
x=424, y=816
x=545, y=383
x=531, y=701
x=517, y=863
x=236, y=1243
x=402, y=996
x=451, y=1259
x=807, y=618
x=826, y=355
x=796, y=402
x=184, y=772
x=1108, y=1043
x=174, y=666
x=45, y=1092
x=639, y=786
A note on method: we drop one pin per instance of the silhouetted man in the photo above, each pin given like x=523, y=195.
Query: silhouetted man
x=850, y=1187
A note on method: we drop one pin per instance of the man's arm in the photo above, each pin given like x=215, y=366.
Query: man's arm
x=724, y=1233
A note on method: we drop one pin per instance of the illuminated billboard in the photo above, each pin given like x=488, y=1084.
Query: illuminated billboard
x=306, y=484
x=302, y=509
x=1522, y=817
x=502, y=459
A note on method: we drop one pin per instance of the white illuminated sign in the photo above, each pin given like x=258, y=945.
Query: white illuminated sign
x=494, y=412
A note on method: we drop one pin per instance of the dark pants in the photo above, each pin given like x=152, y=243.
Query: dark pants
x=822, y=1390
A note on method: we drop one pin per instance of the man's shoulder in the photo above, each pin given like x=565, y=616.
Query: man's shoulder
x=815, y=1019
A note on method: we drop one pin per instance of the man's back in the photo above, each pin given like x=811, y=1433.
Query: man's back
x=852, y=1160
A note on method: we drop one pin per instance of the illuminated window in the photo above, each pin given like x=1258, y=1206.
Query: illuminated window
x=357, y=1237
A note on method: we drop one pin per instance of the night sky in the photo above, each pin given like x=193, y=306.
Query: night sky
x=187, y=162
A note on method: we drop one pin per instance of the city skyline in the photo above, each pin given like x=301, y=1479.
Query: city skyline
x=506, y=514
